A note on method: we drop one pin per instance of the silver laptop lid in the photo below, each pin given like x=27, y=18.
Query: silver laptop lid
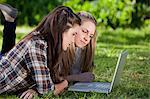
x=119, y=68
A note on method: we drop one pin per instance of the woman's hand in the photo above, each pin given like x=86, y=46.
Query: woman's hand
x=29, y=94
x=59, y=88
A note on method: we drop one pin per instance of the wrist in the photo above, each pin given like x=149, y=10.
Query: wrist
x=52, y=87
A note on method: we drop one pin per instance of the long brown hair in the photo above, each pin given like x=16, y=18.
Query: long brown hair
x=87, y=54
x=51, y=28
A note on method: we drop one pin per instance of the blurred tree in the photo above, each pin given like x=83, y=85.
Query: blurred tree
x=32, y=11
x=141, y=13
x=113, y=13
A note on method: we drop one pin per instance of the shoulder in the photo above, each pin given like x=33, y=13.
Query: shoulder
x=38, y=42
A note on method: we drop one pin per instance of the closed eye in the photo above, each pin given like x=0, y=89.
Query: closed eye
x=91, y=36
x=84, y=31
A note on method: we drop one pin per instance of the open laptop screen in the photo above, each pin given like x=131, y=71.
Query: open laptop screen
x=119, y=68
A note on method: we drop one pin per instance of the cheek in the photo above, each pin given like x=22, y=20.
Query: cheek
x=63, y=40
x=88, y=42
x=77, y=39
x=71, y=38
x=78, y=36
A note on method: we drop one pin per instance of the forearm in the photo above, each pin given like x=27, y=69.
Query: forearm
x=71, y=78
x=82, y=77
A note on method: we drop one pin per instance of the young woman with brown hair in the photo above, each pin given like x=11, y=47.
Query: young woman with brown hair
x=34, y=65
x=81, y=55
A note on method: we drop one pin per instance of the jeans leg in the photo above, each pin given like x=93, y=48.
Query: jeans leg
x=9, y=36
x=0, y=56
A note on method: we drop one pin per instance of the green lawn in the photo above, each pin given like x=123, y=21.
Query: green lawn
x=135, y=79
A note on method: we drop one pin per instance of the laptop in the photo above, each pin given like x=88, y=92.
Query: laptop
x=102, y=87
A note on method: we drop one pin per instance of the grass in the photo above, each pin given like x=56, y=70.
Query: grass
x=135, y=79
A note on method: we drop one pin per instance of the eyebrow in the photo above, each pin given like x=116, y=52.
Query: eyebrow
x=92, y=34
x=86, y=30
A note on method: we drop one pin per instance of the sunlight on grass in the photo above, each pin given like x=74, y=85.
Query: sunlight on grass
x=24, y=29
x=21, y=29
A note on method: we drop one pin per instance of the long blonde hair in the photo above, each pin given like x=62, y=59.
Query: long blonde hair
x=87, y=53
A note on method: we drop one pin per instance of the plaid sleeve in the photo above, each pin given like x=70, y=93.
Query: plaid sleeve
x=37, y=64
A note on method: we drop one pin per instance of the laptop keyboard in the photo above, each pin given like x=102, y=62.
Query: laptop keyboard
x=93, y=86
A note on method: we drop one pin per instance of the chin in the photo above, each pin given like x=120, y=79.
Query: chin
x=80, y=46
x=65, y=48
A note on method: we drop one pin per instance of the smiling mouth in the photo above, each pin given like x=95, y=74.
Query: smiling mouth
x=83, y=42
